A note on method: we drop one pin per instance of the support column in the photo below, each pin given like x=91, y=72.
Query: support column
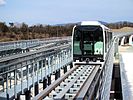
x=71, y=65
x=28, y=95
x=49, y=80
x=7, y=95
x=56, y=76
x=65, y=69
x=122, y=41
x=58, y=73
x=44, y=83
x=36, y=88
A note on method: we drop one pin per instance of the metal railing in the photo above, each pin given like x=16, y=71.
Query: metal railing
x=25, y=72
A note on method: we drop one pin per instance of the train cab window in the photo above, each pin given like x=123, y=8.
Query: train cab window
x=93, y=41
x=88, y=42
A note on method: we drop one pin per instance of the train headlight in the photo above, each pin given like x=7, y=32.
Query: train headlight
x=94, y=59
x=87, y=60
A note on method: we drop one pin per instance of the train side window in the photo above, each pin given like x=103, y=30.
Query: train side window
x=76, y=42
x=106, y=41
x=98, y=44
x=110, y=37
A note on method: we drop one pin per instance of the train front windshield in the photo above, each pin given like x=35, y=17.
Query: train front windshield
x=88, y=41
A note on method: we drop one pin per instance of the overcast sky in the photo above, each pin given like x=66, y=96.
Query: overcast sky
x=65, y=11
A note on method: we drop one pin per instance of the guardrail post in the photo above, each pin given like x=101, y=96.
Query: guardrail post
x=15, y=82
x=7, y=94
x=21, y=79
x=37, y=83
x=27, y=76
x=33, y=65
x=10, y=81
x=116, y=47
x=49, y=66
x=41, y=66
x=57, y=64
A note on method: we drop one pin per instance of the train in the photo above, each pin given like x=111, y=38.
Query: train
x=91, y=41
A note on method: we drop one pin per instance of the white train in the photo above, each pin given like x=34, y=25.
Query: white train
x=90, y=41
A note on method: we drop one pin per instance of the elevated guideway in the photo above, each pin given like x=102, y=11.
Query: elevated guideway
x=22, y=46
x=21, y=72
x=84, y=81
x=126, y=71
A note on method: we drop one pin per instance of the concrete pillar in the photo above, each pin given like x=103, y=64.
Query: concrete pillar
x=36, y=88
x=122, y=41
x=127, y=40
x=28, y=95
x=130, y=40
x=49, y=80
x=65, y=69
x=44, y=83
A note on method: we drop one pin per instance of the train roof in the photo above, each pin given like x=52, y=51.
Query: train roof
x=93, y=23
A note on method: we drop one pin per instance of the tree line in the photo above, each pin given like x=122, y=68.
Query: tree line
x=119, y=25
x=24, y=32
